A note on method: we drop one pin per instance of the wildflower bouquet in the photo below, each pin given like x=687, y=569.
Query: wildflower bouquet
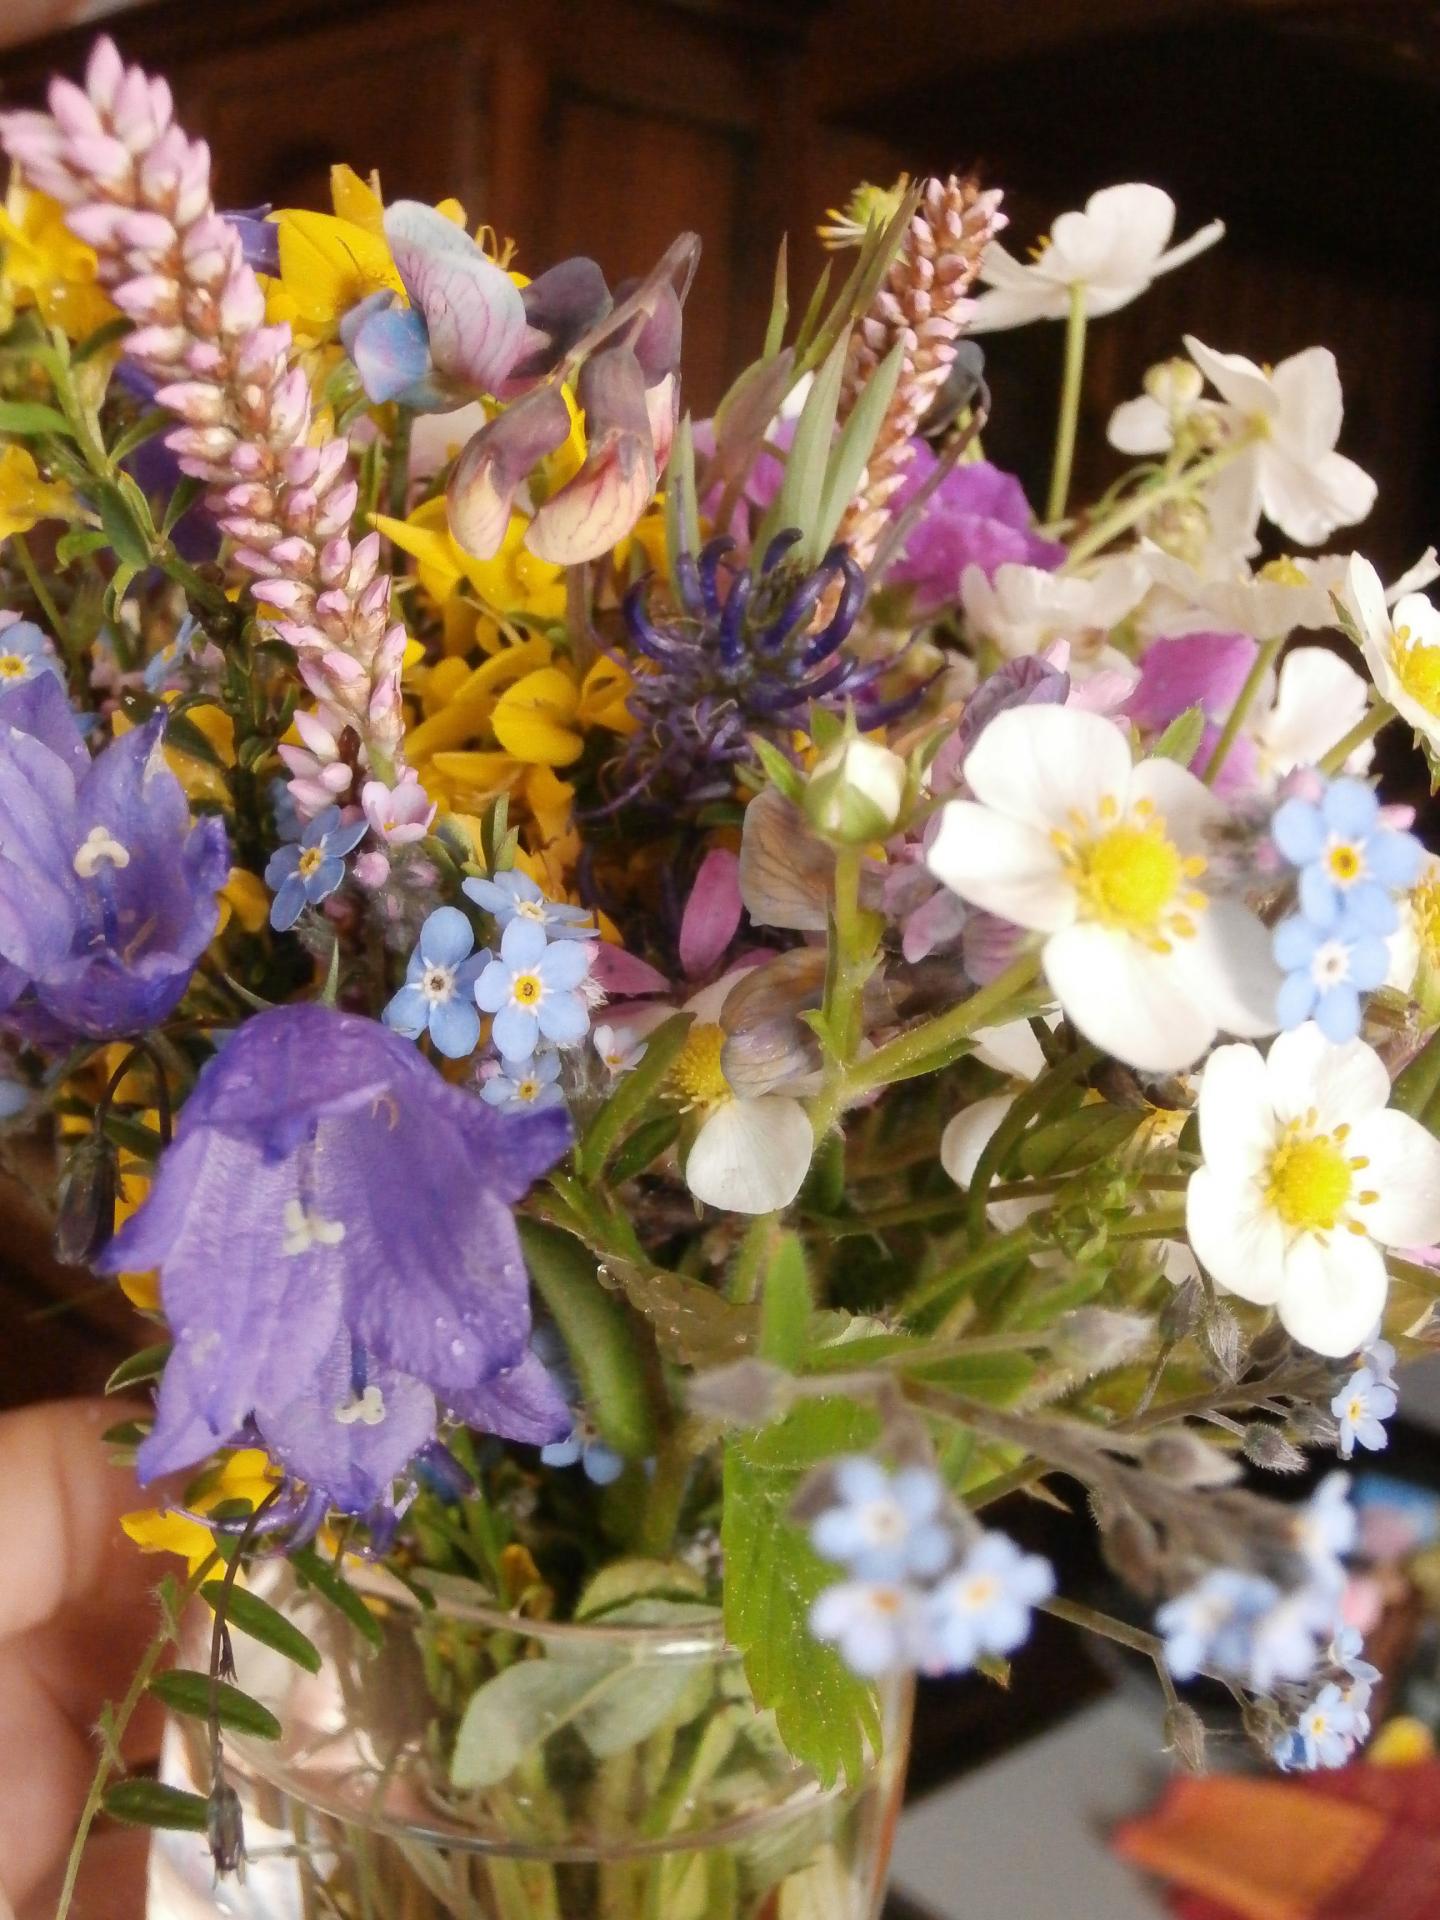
x=659, y=1012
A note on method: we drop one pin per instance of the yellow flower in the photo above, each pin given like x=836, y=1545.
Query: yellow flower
x=199, y=777
x=511, y=585
x=542, y=719
x=246, y=898
x=245, y=1475
x=24, y=497
x=46, y=267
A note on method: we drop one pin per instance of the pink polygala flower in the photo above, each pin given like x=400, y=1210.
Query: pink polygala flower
x=399, y=814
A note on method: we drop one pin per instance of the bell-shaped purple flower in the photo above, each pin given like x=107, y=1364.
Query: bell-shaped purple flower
x=338, y=1259
x=107, y=890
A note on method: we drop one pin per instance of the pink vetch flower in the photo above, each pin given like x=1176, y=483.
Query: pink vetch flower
x=400, y=814
x=1205, y=670
x=137, y=190
x=978, y=516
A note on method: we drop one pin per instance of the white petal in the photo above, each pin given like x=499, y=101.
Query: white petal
x=1140, y=426
x=1318, y=698
x=707, y=1004
x=1136, y=221
x=1234, y=378
x=1311, y=405
x=1309, y=496
x=1237, y=1122
x=1045, y=764
x=1342, y=1084
x=1011, y=1048
x=1404, y=1170
x=1002, y=865
x=1126, y=998
x=1235, y=1236
x=1333, y=1293
x=751, y=1156
x=1187, y=805
x=1199, y=242
x=1228, y=968
x=1365, y=597
x=966, y=1136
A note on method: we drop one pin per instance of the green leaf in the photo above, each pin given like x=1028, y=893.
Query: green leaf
x=125, y=533
x=182, y=733
x=331, y=1585
x=1181, y=739
x=997, y=1378
x=258, y=1618
x=1417, y=1090
x=781, y=770
x=649, y=1140
x=802, y=489
x=855, y=445
x=27, y=418
x=825, y=1714
x=146, y=1365
x=599, y=1337
x=126, y=1433
x=143, y=429
x=692, y=1323
x=779, y=299
x=624, y=1581
x=682, y=513
x=79, y=541
x=186, y=1691
x=633, y=1094
x=181, y=500
x=785, y=1305
x=1077, y=1139
x=149, y=1803
x=104, y=336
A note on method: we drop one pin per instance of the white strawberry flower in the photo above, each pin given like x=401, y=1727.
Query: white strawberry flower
x=1401, y=648
x=1307, y=1175
x=1114, y=249
x=1108, y=860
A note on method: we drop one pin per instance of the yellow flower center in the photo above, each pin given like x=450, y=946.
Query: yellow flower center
x=1310, y=1179
x=1283, y=573
x=527, y=1089
x=13, y=667
x=527, y=989
x=1132, y=876
x=697, y=1072
x=1417, y=667
x=310, y=859
x=1345, y=861
x=980, y=1592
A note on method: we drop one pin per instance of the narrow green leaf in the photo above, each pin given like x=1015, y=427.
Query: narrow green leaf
x=103, y=336
x=149, y=1364
x=785, y=1305
x=182, y=732
x=810, y=319
x=682, y=512
x=1181, y=739
x=258, y=1618
x=141, y=430
x=632, y=1096
x=779, y=299
x=331, y=1585
x=782, y=772
x=124, y=532
x=77, y=543
x=855, y=445
x=126, y=1433
x=184, y=1690
x=181, y=501
x=801, y=490
x=599, y=1337
x=1417, y=1090
x=149, y=1803
x=27, y=418
x=1077, y=1140
x=646, y=1144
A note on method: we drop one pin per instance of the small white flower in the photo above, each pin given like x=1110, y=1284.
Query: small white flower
x=1228, y=597
x=1402, y=650
x=1318, y=699
x=1025, y=609
x=1114, y=249
x=1289, y=470
x=620, y=1048
x=1306, y=1177
x=1107, y=859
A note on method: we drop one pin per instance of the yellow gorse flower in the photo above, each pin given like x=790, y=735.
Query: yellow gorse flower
x=245, y=1475
x=46, y=267
x=25, y=497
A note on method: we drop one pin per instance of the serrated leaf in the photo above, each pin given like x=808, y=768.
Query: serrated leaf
x=854, y=447
x=826, y=1715
x=28, y=418
x=150, y=1803
x=256, y=1617
x=149, y=1364
x=184, y=1690
x=332, y=1585
x=785, y=1304
x=632, y=1095
x=1181, y=739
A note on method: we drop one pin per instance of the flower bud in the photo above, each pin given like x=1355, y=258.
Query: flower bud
x=85, y=1216
x=1175, y=385
x=1095, y=1339
x=855, y=792
x=1266, y=1446
x=747, y=1393
x=1185, y=1736
x=1185, y=1460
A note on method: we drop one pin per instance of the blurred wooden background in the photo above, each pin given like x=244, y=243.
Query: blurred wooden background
x=606, y=126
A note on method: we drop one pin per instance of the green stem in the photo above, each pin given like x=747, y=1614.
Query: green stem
x=1379, y=715
x=1005, y=1246
x=1265, y=659
x=1071, y=383
x=1027, y=1107
x=1130, y=512
x=1162, y=1225
x=37, y=586
x=666, y=1496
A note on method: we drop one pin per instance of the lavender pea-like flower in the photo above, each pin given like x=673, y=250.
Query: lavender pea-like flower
x=438, y=996
x=532, y=990
x=304, y=874
x=107, y=888
x=338, y=1260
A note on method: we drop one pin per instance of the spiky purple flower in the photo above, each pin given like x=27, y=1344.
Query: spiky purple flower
x=739, y=655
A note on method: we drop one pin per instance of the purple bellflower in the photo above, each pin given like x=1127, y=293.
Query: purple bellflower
x=338, y=1260
x=107, y=890
x=978, y=516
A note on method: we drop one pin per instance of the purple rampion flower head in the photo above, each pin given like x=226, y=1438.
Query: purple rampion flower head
x=338, y=1260
x=739, y=656
x=978, y=516
x=306, y=872
x=1205, y=670
x=107, y=890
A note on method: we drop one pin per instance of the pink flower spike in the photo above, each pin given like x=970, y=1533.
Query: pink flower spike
x=712, y=913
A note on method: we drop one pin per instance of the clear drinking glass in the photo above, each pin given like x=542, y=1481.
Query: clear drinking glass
x=616, y=1771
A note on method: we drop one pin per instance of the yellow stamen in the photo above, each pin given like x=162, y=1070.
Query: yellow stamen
x=697, y=1073
x=1131, y=875
x=1309, y=1182
x=527, y=988
x=1416, y=665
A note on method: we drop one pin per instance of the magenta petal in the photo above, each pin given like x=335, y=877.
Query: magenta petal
x=712, y=913
x=619, y=972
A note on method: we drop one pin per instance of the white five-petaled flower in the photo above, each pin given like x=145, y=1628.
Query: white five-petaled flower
x=1108, y=860
x=1307, y=1175
x=1114, y=249
x=750, y=1153
x=1289, y=419
x=1401, y=648
x=1025, y=609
